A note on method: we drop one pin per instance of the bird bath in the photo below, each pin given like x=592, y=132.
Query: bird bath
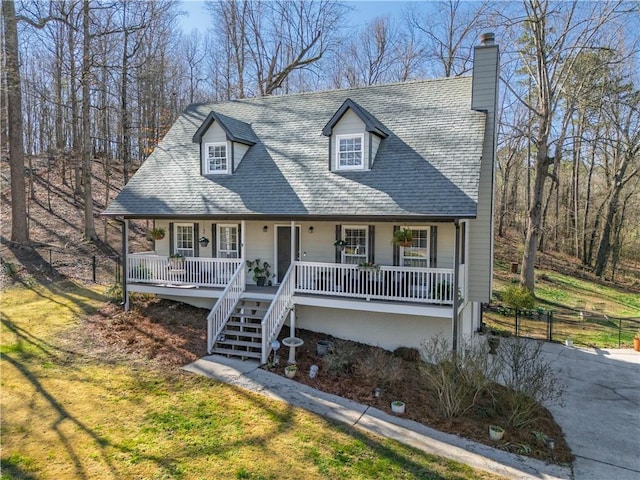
x=292, y=343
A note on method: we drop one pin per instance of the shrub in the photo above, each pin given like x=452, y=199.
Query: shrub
x=458, y=379
x=341, y=359
x=114, y=293
x=518, y=297
x=407, y=354
x=530, y=381
x=380, y=368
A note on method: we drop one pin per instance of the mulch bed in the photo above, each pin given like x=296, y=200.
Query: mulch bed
x=169, y=335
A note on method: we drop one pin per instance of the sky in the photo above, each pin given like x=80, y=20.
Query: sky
x=364, y=11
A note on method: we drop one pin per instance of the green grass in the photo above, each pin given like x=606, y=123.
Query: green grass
x=68, y=413
x=566, y=296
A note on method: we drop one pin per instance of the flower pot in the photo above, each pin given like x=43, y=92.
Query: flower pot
x=568, y=342
x=290, y=372
x=636, y=344
x=261, y=281
x=204, y=243
x=397, y=407
x=495, y=432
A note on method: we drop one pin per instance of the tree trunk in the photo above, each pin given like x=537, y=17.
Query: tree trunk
x=89, y=225
x=19, y=226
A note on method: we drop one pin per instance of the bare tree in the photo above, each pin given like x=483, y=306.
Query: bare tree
x=449, y=34
x=551, y=36
x=19, y=226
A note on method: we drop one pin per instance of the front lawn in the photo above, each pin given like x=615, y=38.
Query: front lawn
x=72, y=408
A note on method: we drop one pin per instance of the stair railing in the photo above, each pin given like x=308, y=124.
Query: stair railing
x=219, y=314
x=277, y=312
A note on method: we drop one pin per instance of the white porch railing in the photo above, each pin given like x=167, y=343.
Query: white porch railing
x=425, y=285
x=220, y=312
x=205, y=272
x=274, y=318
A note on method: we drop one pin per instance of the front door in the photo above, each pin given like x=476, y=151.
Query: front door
x=283, y=249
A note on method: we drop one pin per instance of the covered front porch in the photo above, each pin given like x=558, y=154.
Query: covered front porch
x=152, y=273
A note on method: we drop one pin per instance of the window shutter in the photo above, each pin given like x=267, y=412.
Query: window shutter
x=372, y=243
x=396, y=248
x=338, y=237
x=239, y=244
x=196, y=243
x=433, y=246
x=214, y=240
x=172, y=241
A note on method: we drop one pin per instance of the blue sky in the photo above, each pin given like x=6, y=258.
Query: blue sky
x=198, y=17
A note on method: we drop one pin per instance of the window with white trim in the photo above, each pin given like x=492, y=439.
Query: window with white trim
x=417, y=255
x=350, y=152
x=216, y=160
x=183, y=236
x=355, y=250
x=228, y=241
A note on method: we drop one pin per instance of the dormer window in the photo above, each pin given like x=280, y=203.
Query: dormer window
x=354, y=137
x=349, y=152
x=216, y=158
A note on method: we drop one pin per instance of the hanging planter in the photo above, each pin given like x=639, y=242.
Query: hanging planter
x=156, y=233
x=340, y=244
x=204, y=241
x=403, y=237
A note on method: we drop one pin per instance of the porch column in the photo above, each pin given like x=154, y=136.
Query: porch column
x=243, y=233
x=456, y=269
x=293, y=242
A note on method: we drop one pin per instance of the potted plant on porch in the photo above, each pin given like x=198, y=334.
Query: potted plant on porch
x=176, y=260
x=261, y=271
x=403, y=237
x=203, y=241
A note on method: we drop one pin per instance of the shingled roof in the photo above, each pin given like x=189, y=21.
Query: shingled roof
x=428, y=166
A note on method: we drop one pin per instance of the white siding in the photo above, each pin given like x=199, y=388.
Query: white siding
x=239, y=150
x=375, y=143
x=385, y=330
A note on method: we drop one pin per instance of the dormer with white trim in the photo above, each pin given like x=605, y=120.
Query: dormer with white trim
x=224, y=141
x=354, y=137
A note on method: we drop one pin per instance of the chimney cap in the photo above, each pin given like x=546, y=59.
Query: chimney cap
x=487, y=38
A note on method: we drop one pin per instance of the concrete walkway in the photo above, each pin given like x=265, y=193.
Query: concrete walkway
x=601, y=415
x=248, y=376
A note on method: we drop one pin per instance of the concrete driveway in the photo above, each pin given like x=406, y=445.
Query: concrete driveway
x=601, y=415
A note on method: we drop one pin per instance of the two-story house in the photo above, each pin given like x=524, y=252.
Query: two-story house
x=316, y=184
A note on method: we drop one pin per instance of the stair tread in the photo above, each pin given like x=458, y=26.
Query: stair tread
x=239, y=333
x=235, y=323
x=240, y=343
x=255, y=316
x=236, y=353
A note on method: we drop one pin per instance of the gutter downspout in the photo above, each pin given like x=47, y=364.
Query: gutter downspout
x=125, y=247
x=456, y=273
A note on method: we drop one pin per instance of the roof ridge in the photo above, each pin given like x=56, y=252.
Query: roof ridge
x=330, y=90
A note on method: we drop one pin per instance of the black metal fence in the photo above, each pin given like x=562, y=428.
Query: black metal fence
x=594, y=329
x=102, y=269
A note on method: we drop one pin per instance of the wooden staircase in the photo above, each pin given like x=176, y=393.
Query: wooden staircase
x=242, y=334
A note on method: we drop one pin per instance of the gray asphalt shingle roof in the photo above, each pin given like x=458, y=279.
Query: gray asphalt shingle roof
x=429, y=165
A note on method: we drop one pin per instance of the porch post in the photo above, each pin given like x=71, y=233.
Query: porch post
x=243, y=232
x=456, y=268
x=125, y=271
x=293, y=242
